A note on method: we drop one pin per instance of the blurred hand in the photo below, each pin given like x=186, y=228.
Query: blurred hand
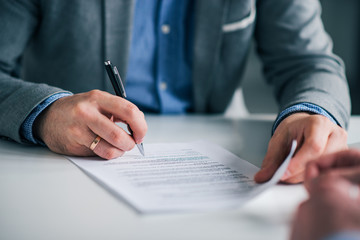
x=343, y=164
x=333, y=206
x=316, y=135
x=70, y=124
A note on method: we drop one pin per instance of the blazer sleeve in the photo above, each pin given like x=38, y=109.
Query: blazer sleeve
x=19, y=20
x=297, y=57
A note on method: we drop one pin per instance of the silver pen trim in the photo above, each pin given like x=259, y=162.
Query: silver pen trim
x=141, y=149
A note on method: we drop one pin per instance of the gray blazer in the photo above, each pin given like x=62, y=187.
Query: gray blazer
x=50, y=46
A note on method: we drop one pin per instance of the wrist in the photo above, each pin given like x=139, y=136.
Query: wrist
x=42, y=122
x=27, y=127
x=39, y=125
x=302, y=108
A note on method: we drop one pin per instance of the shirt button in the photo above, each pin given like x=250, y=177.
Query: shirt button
x=165, y=29
x=163, y=86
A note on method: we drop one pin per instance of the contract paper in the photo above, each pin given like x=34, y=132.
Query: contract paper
x=172, y=177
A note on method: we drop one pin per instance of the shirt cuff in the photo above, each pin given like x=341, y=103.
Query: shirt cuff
x=26, y=129
x=302, y=107
x=348, y=235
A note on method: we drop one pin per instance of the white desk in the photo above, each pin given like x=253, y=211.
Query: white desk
x=44, y=196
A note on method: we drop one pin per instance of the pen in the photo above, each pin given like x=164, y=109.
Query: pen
x=119, y=89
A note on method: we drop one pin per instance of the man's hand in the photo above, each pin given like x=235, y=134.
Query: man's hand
x=70, y=124
x=315, y=134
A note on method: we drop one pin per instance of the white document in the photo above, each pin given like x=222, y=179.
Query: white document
x=179, y=177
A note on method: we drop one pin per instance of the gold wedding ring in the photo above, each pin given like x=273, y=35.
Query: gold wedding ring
x=95, y=143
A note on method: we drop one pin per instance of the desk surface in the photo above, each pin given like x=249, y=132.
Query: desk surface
x=45, y=196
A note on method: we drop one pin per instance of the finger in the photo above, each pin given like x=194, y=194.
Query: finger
x=311, y=172
x=127, y=112
x=107, y=151
x=346, y=158
x=102, y=148
x=77, y=141
x=352, y=174
x=295, y=178
x=322, y=184
x=110, y=132
x=275, y=155
x=85, y=146
x=332, y=182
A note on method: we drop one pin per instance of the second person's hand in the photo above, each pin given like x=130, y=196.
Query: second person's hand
x=343, y=164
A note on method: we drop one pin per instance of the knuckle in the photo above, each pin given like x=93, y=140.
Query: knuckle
x=110, y=153
x=130, y=146
x=317, y=120
x=343, y=134
x=94, y=94
x=316, y=146
x=80, y=109
x=115, y=137
x=131, y=110
x=119, y=140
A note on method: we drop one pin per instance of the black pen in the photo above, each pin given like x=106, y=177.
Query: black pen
x=119, y=89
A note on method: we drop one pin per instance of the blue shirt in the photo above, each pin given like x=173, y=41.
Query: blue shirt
x=160, y=64
x=159, y=74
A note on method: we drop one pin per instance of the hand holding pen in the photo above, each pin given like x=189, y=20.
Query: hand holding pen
x=83, y=125
x=119, y=89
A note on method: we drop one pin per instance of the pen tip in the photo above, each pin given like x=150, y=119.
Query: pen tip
x=141, y=149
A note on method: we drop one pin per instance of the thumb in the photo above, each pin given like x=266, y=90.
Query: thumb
x=275, y=155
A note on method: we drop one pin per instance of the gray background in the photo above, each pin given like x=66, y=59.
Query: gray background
x=341, y=21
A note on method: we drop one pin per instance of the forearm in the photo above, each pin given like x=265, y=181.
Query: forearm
x=298, y=58
x=325, y=90
x=19, y=21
